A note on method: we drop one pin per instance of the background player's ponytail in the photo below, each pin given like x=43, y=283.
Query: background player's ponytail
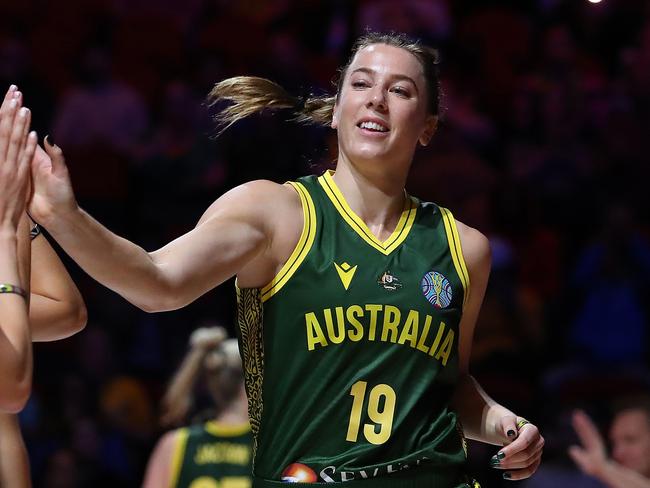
x=215, y=359
x=249, y=95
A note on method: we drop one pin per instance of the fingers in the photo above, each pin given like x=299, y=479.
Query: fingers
x=18, y=135
x=580, y=457
x=29, y=151
x=521, y=474
x=522, y=457
x=509, y=426
x=7, y=115
x=587, y=432
x=12, y=94
x=56, y=156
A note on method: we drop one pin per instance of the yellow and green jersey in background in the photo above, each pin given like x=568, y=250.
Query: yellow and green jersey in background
x=351, y=352
x=212, y=455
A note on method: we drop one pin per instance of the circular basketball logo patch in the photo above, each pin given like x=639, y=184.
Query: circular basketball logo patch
x=436, y=289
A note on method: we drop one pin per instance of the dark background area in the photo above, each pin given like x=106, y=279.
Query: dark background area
x=542, y=146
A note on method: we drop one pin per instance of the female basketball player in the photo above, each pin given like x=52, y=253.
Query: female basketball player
x=217, y=452
x=357, y=302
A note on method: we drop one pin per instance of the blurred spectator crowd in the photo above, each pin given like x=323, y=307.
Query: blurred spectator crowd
x=542, y=146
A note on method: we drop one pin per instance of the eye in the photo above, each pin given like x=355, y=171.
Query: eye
x=401, y=91
x=360, y=84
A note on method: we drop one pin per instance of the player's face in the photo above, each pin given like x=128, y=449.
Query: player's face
x=381, y=110
x=630, y=437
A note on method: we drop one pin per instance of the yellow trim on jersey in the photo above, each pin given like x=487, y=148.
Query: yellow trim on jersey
x=456, y=250
x=221, y=429
x=302, y=248
x=359, y=226
x=179, y=454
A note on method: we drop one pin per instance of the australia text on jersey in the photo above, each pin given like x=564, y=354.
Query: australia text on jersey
x=385, y=323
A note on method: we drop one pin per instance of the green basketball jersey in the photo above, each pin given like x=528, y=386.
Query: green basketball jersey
x=213, y=455
x=351, y=352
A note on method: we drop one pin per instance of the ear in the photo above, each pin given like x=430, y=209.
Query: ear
x=430, y=127
x=335, y=115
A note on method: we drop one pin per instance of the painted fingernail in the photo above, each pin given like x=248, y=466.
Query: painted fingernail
x=501, y=455
x=23, y=112
x=12, y=88
x=48, y=139
x=494, y=461
x=511, y=433
x=17, y=95
x=507, y=476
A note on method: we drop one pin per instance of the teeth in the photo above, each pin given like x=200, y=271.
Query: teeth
x=373, y=126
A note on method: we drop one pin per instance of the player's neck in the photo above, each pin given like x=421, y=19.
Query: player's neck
x=377, y=199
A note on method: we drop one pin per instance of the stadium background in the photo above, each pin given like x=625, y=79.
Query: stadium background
x=542, y=146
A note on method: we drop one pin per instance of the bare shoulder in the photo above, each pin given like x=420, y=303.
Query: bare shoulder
x=258, y=198
x=167, y=443
x=476, y=247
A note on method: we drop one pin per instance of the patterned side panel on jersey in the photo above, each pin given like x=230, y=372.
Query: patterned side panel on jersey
x=250, y=314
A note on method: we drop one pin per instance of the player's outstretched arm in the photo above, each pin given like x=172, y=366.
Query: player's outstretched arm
x=484, y=419
x=235, y=229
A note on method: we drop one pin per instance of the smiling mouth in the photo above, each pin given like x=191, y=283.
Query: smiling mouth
x=372, y=126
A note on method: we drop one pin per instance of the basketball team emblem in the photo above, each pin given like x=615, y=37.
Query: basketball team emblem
x=437, y=289
x=298, y=473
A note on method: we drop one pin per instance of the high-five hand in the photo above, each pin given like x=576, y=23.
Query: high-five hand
x=53, y=195
x=17, y=148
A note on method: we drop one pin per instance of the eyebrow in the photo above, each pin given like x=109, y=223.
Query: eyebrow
x=397, y=76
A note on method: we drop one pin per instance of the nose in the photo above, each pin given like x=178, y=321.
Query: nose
x=377, y=99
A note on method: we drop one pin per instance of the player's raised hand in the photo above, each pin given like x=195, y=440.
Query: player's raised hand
x=17, y=148
x=591, y=456
x=52, y=196
x=521, y=457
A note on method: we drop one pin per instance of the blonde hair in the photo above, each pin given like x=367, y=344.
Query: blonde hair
x=248, y=95
x=224, y=373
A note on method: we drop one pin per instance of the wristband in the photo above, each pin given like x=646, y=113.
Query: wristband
x=35, y=232
x=7, y=288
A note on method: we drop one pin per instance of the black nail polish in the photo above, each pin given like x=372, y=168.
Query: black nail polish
x=501, y=455
x=494, y=461
x=49, y=140
x=511, y=433
x=507, y=476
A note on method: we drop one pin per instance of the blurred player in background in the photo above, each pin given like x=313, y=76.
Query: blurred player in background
x=212, y=454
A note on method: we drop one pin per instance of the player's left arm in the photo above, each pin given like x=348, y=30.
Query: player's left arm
x=482, y=418
x=57, y=309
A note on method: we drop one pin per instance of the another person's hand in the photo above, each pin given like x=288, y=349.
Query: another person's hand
x=207, y=338
x=16, y=152
x=52, y=194
x=591, y=457
x=521, y=457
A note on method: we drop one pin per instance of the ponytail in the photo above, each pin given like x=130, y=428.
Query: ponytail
x=250, y=94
